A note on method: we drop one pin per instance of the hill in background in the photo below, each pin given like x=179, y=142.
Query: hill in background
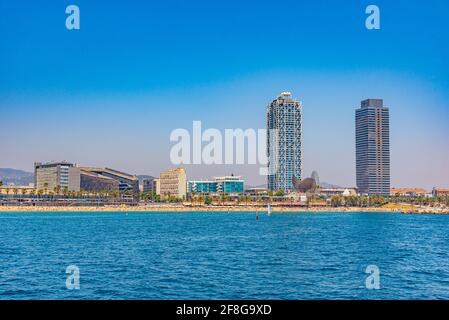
x=16, y=177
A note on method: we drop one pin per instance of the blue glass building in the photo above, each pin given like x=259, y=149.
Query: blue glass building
x=227, y=184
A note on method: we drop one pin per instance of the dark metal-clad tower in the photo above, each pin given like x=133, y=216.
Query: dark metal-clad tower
x=372, y=135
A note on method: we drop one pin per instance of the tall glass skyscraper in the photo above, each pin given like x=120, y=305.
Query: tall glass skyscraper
x=284, y=141
x=372, y=149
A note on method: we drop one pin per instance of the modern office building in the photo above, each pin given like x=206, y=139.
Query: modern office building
x=94, y=182
x=173, y=183
x=226, y=184
x=372, y=135
x=151, y=185
x=230, y=184
x=284, y=141
x=56, y=175
x=126, y=182
x=202, y=186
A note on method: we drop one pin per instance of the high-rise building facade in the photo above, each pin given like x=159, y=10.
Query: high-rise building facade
x=56, y=175
x=284, y=141
x=372, y=135
x=173, y=183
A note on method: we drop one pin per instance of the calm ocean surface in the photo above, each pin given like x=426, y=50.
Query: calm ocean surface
x=223, y=255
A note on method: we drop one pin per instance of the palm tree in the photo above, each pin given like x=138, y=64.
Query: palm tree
x=45, y=187
x=361, y=201
x=337, y=201
x=1, y=185
x=65, y=191
x=280, y=193
x=309, y=199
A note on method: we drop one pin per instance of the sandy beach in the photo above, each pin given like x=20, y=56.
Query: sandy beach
x=181, y=208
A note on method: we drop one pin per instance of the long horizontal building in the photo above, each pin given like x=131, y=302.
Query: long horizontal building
x=91, y=181
x=409, y=192
x=329, y=192
x=94, y=178
x=226, y=184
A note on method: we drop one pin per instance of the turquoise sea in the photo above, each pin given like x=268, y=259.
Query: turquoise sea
x=223, y=255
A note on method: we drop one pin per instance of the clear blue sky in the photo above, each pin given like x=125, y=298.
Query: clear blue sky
x=110, y=93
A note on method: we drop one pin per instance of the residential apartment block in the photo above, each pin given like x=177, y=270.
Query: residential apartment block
x=173, y=183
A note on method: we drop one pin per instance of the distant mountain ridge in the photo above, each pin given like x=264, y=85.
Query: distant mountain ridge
x=16, y=177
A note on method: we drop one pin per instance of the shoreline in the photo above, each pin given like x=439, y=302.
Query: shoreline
x=174, y=208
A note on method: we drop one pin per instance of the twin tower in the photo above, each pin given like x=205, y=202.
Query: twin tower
x=284, y=145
